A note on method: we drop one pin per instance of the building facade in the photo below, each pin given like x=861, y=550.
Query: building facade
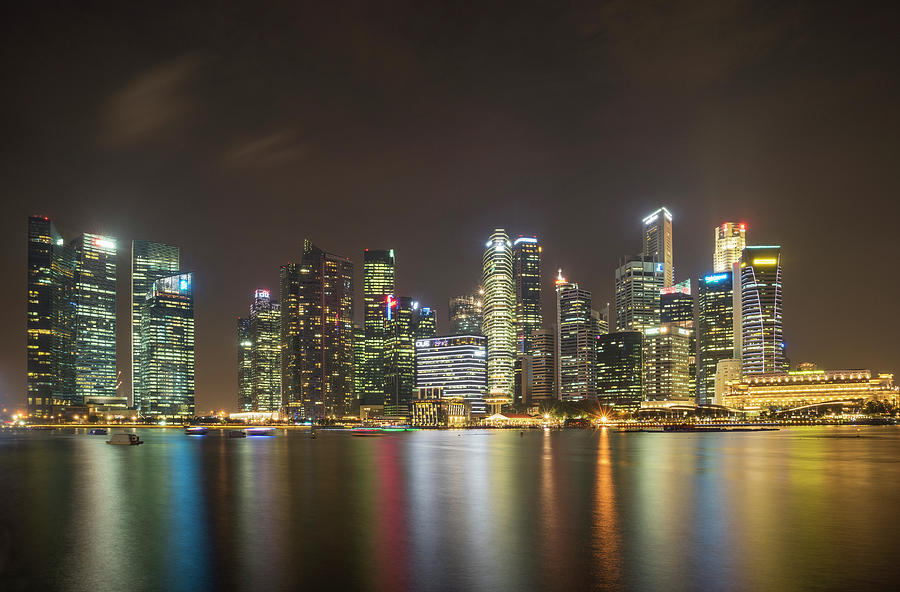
x=527, y=274
x=95, y=321
x=265, y=353
x=575, y=342
x=791, y=390
x=619, y=369
x=378, y=283
x=150, y=261
x=715, y=338
x=399, y=356
x=638, y=282
x=676, y=305
x=245, y=364
x=666, y=353
x=658, y=243
x=762, y=328
x=457, y=365
x=730, y=240
x=50, y=320
x=291, y=340
x=498, y=309
x=167, y=349
x=543, y=366
x=465, y=314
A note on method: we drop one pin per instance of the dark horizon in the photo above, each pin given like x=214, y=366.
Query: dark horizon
x=233, y=133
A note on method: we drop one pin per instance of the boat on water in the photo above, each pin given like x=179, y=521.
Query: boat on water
x=124, y=440
x=266, y=431
x=366, y=432
x=236, y=434
x=399, y=428
x=196, y=430
x=98, y=432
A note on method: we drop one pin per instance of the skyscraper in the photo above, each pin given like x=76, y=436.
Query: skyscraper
x=150, y=261
x=543, y=366
x=638, y=282
x=527, y=274
x=600, y=320
x=762, y=347
x=676, y=306
x=50, y=327
x=95, y=320
x=658, y=242
x=715, y=330
x=359, y=360
x=575, y=341
x=499, y=314
x=454, y=364
x=245, y=364
x=730, y=242
x=399, y=355
x=265, y=355
x=425, y=321
x=378, y=282
x=326, y=316
x=619, y=369
x=291, y=341
x=666, y=363
x=466, y=314
x=166, y=358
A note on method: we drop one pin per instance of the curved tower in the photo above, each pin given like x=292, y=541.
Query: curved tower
x=498, y=310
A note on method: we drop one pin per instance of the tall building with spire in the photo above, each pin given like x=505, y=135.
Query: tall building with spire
x=150, y=261
x=378, y=282
x=730, y=240
x=498, y=310
x=658, y=242
x=761, y=311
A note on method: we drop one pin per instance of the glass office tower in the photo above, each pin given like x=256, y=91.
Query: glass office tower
x=465, y=314
x=265, y=353
x=658, y=243
x=676, y=306
x=762, y=339
x=527, y=273
x=666, y=352
x=291, y=335
x=619, y=369
x=150, y=261
x=638, y=282
x=399, y=355
x=455, y=364
x=378, y=282
x=575, y=341
x=95, y=320
x=715, y=330
x=730, y=240
x=166, y=358
x=245, y=365
x=499, y=309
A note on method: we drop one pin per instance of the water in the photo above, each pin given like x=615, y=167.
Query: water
x=448, y=510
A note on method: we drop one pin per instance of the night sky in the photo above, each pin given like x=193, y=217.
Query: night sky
x=235, y=131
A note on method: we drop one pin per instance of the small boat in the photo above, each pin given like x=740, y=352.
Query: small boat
x=124, y=440
x=366, y=432
x=98, y=432
x=236, y=434
x=260, y=431
x=196, y=430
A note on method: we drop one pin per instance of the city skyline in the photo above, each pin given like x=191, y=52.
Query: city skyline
x=595, y=124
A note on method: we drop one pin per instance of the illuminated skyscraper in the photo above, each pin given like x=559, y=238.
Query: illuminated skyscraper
x=638, y=282
x=166, y=358
x=426, y=322
x=715, y=330
x=150, y=261
x=265, y=353
x=658, y=242
x=378, y=282
x=50, y=326
x=676, y=306
x=575, y=341
x=543, y=366
x=359, y=360
x=456, y=365
x=245, y=365
x=762, y=347
x=95, y=321
x=619, y=369
x=731, y=239
x=527, y=274
x=326, y=317
x=399, y=355
x=666, y=359
x=291, y=341
x=466, y=314
x=499, y=314
x=600, y=320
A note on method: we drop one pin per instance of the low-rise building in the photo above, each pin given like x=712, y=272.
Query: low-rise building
x=791, y=390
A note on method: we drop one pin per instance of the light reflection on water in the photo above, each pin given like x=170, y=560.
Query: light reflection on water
x=447, y=510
